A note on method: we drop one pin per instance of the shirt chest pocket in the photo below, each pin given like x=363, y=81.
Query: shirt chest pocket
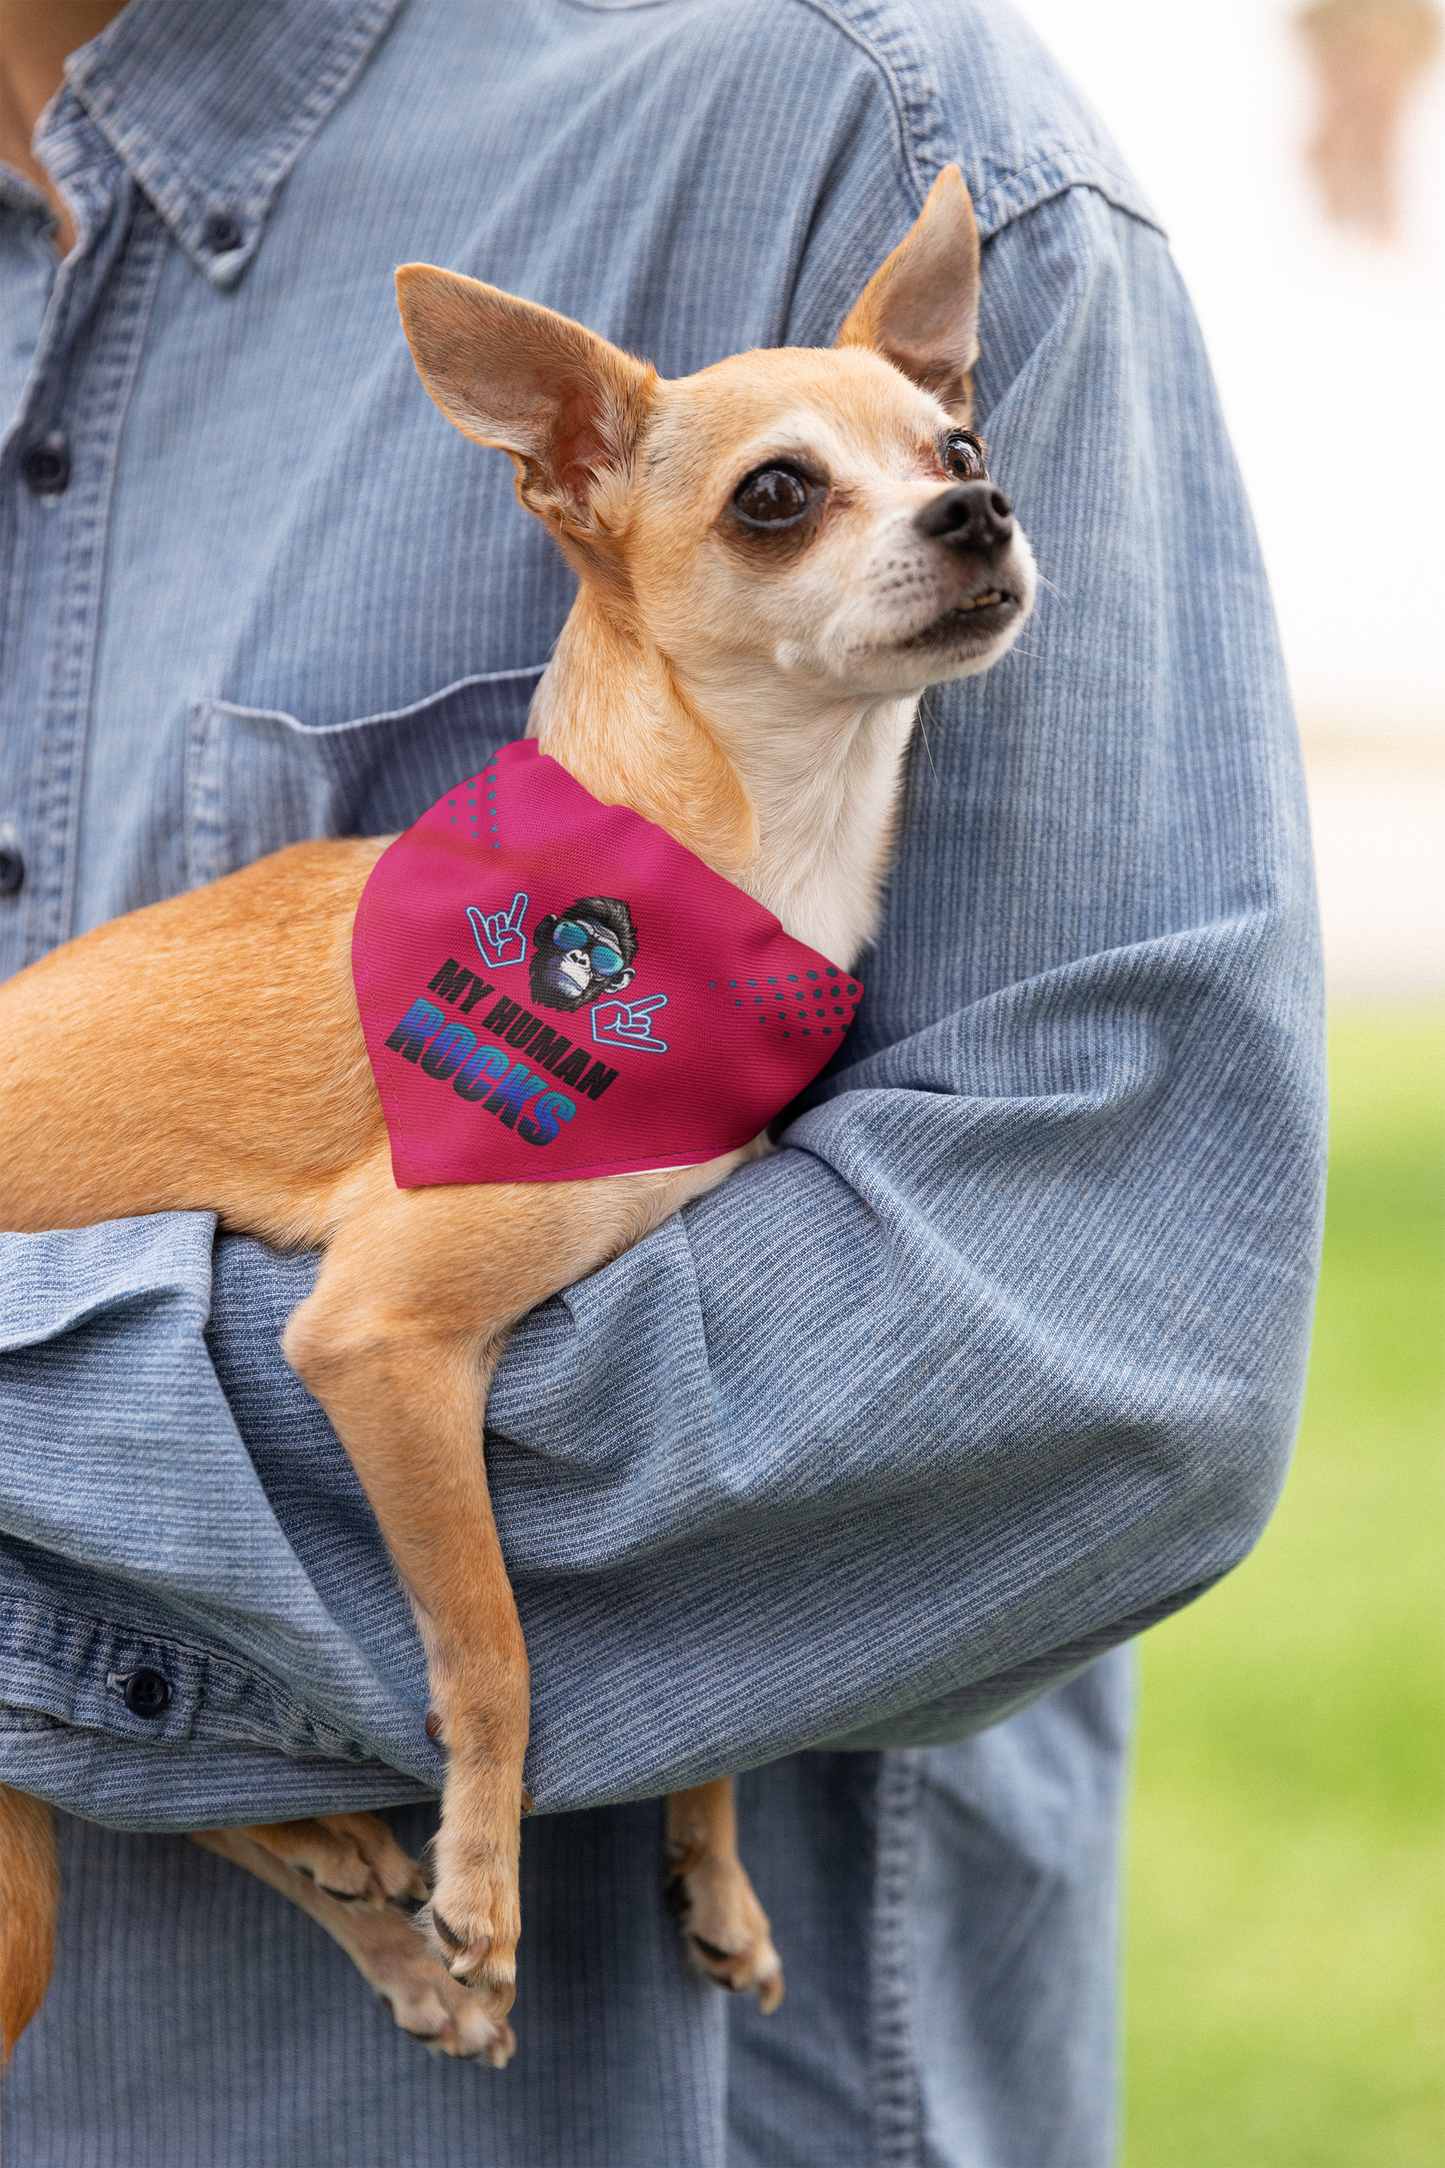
x=257, y=779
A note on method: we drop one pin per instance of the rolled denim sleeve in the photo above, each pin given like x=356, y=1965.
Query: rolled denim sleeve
x=997, y=1360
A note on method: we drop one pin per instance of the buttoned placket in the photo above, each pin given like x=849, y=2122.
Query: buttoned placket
x=57, y=469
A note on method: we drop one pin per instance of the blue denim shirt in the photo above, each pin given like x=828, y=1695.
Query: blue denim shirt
x=999, y=1359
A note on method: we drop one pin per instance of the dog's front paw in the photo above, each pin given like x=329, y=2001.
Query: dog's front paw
x=474, y=1919
x=725, y=1930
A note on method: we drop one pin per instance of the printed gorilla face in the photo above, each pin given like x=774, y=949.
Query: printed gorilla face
x=583, y=954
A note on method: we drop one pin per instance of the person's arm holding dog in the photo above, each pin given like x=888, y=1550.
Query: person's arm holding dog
x=990, y=1300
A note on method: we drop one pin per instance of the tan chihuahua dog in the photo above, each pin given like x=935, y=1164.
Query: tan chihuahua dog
x=776, y=557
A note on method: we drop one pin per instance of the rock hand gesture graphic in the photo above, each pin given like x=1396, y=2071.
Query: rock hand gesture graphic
x=629, y=1023
x=499, y=934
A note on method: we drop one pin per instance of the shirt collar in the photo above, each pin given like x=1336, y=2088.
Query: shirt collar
x=210, y=105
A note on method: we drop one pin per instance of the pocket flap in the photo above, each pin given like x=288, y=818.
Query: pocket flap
x=257, y=779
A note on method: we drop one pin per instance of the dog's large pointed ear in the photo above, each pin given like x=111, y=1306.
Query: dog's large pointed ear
x=920, y=308
x=566, y=405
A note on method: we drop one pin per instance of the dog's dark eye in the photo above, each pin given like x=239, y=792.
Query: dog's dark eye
x=963, y=455
x=772, y=497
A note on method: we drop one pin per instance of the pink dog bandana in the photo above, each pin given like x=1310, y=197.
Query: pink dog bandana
x=551, y=987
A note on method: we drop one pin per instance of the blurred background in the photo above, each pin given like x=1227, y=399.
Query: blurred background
x=1286, y=1944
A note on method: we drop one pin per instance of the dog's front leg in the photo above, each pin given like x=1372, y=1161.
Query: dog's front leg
x=407, y=1403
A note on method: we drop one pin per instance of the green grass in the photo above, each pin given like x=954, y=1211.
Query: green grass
x=1286, y=1949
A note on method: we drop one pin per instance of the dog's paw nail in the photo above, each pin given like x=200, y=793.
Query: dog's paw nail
x=504, y=2047
x=433, y=1724
x=446, y=1936
x=711, y=1949
x=467, y=1962
x=526, y=1800
x=675, y=1897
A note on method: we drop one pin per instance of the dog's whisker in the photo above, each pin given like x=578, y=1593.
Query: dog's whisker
x=923, y=733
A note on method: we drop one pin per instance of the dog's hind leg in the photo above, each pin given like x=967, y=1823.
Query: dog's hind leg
x=726, y=1931
x=29, y=1905
x=381, y=1942
x=350, y=1856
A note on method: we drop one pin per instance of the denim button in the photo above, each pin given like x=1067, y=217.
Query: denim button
x=12, y=871
x=46, y=468
x=222, y=233
x=147, y=1693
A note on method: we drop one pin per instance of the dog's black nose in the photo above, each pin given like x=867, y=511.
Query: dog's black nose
x=975, y=517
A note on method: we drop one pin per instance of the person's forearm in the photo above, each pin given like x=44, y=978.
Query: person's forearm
x=1003, y=1359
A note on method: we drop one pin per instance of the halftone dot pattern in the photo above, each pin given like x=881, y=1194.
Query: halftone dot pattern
x=470, y=816
x=805, y=1003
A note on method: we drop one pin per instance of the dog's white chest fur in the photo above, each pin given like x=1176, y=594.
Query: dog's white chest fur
x=827, y=804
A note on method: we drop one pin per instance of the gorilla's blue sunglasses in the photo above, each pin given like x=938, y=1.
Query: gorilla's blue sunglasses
x=567, y=934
